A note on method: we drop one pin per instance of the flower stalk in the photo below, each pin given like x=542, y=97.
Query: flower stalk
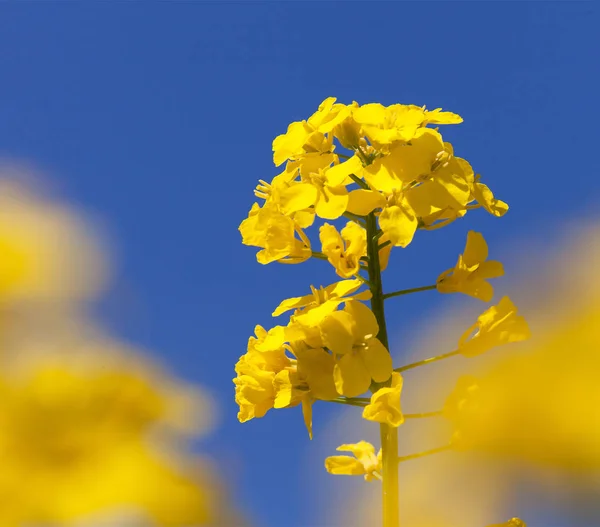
x=388, y=434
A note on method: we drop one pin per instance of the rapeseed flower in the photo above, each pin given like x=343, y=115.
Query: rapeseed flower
x=497, y=325
x=470, y=273
x=385, y=404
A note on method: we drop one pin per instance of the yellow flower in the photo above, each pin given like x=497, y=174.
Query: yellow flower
x=442, y=197
x=256, y=370
x=398, y=122
x=360, y=356
x=268, y=228
x=462, y=406
x=471, y=271
x=385, y=404
x=292, y=198
x=329, y=115
x=344, y=250
x=74, y=443
x=311, y=309
x=331, y=197
x=365, y=461
x=405, y=162
x=306, y=137
x=39, y=243
x=485, y=197
x=497, y=325
x=268, y=378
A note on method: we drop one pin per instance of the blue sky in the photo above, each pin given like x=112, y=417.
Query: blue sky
x=159, y=117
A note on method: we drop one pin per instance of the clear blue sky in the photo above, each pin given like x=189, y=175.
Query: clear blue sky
x=159, y=117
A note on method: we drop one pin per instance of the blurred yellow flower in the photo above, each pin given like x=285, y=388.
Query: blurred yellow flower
x=365, y=461
x=75, y=442
x=497, y=325
x=46, y=250
x=471, y=271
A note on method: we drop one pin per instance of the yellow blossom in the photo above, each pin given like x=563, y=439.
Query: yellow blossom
x=331, y=198
x=311, y=309
x=39, y=240
x=275, y=233
x=405, y=162
x=485, y=197
x=497, y=325
x=462, y=406
x=292, y=198
x=365, y=461
x=254, y=384
x=306, y=137
x=471, y=271
x=329, y=115
x=398, y=122
x=268, y=378
x=385, y=404
x=351, y=334
x=344, y=250
x=443, y=196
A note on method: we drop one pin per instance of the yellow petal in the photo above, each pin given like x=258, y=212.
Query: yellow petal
x=377, y=360
x=332, y=202
x=307, y=415
x=399, y=224
x=437, y=116
x=344, y=465
x=476, y=249
x=337, y=331
x=292, y=303
x=298, y=197
x=485, y=198
x=316, y=365
x=351, y=376
x=361, y=201
x=365, y=323
x=356, y=240
x=337, y=174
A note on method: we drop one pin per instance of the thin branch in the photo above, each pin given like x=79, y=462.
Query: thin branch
x=428, y=361
x=408, y=291
x=320, y=256
x=425, y=453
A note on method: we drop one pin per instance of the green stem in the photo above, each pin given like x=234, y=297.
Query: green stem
x=359, y=182
x=389, y=434
x=320, y=256
x=425, y=453
x=428, y=361
x=409, y=291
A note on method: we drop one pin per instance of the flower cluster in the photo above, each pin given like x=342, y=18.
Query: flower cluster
x=397, y=165
x=388, y=172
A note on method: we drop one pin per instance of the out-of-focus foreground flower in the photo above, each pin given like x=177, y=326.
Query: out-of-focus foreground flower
x=526, y=422
x=91, y=433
